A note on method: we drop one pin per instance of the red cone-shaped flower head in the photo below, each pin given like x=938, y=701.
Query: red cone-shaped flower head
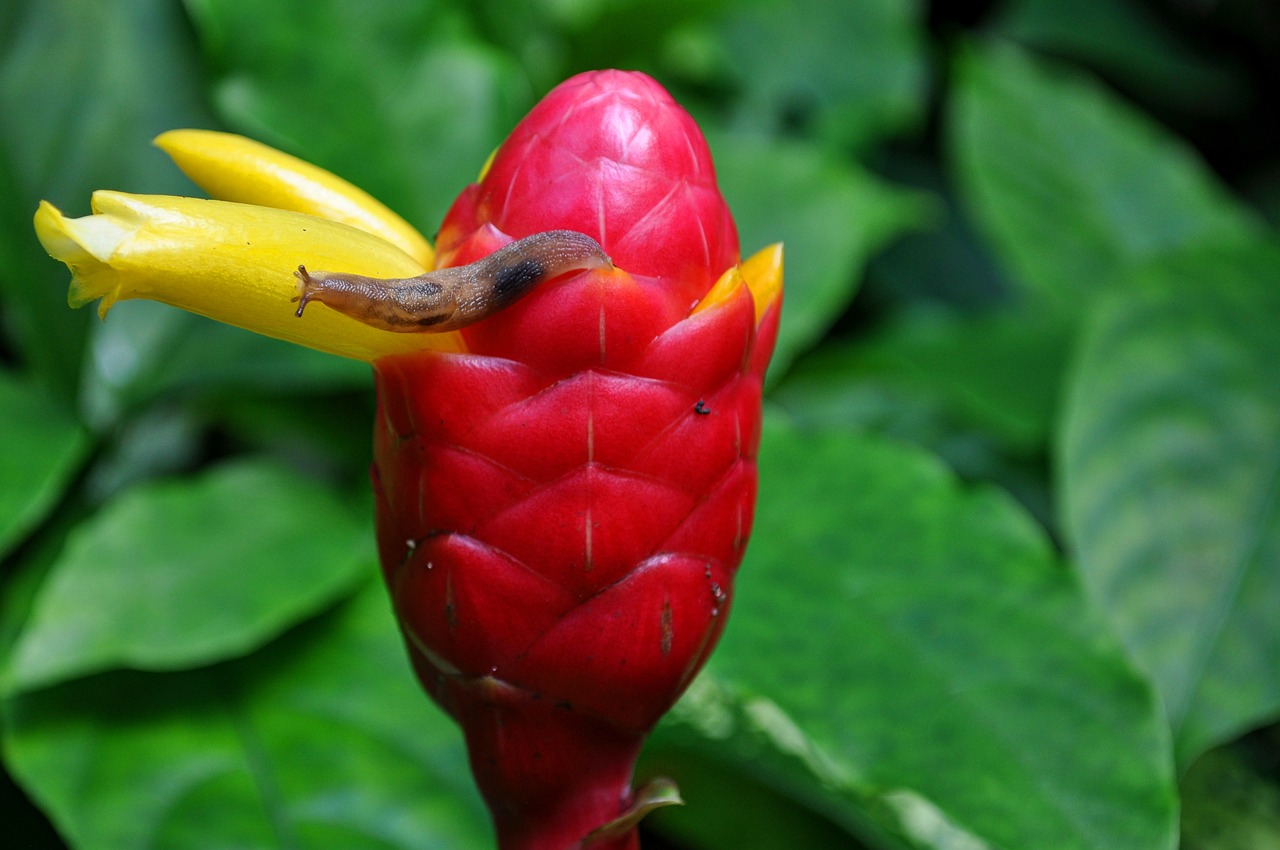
x=562, y=508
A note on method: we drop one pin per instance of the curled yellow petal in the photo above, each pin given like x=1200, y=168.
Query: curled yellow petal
x=230, y=262
x=233, y=168
x=722, y=290
x=761, y=273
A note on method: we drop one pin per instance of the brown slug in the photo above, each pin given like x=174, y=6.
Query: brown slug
x=449, y=299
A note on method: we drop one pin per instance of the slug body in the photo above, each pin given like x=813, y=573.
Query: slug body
x=449, y=299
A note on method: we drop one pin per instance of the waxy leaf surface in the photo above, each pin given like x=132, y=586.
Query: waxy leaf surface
x=911, y=656
x=1170, y=458
x=320, y=740
x=423, y=104
x=79, y=81
x=40, y=449
x=851, y=72
x=997, y=374
x=837, y=217
x=1069, y=183
x=175, y=574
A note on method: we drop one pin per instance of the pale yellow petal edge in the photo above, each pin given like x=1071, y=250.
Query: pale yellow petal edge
x=230, y=262
x=234, y=168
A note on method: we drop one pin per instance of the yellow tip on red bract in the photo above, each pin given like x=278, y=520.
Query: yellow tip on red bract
x=761, y=274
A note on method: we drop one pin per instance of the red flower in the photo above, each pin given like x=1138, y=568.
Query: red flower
x=562, y=508
x=565, y=488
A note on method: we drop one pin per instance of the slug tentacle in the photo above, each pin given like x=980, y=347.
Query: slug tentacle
x=449, y=299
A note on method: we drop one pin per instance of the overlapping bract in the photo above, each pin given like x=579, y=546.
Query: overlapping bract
x=562, y=509
x=564, y=489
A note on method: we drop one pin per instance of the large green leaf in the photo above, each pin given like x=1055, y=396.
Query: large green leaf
x=554, y=39
x=319, y=741
x=730, y=807
x=397, y=96
x=978, y=390
x=1131, y=42
x=909, y=654
x=1228, y=804
x=146, y=351
x=1070, y=184
x=944, y=264
x=176, y=574
x=42, y=445
x=997, y=373
x=84, y=87
x=1170, y=458
x=848, y=72
x=830, y=215
x=83, y=76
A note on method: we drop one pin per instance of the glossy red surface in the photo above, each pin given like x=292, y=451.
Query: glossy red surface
x=561, y=511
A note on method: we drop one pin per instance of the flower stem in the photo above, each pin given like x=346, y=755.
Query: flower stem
x=551, y=775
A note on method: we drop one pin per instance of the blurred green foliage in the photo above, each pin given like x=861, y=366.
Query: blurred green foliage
x=1017, y=562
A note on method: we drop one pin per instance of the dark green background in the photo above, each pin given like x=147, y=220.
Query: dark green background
x=1016, y=572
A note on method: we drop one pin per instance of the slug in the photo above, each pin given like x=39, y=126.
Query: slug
x=449, y=299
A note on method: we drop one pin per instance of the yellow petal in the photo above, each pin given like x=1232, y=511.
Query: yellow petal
x=488, y=163
x=722, y=290
x=233, y=168
x=763, y=273
x=230, y=262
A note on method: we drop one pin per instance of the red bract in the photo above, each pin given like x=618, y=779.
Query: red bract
x=562, y=509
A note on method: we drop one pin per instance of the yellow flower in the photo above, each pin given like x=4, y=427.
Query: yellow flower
x=233, y=259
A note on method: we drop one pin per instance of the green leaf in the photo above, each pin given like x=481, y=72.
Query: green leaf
x=978, y=390
x=730, y=809
x=945, y=263
x=556, y=38
x=849, y=72
x=38, y=325
x=1170, y=459
x=831, y=216
x=93, y=84
x=181, y=573
x=997, y=373
x=86, y=79
x=1229, y=805
x=396, y=97
x=207, y=354
x=42, y=446
x=319, y=741
x=1130, y=43
x=1071, y=185
x=285, y=426
x=148, y=350
x=910, y=655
